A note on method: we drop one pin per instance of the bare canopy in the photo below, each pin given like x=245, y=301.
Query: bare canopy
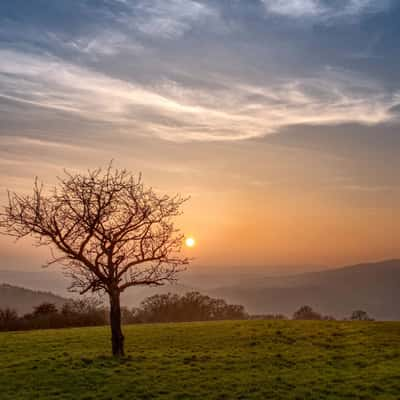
x=109, y=232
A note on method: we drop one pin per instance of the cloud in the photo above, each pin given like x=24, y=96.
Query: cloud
x=324, y=10
x=173, y=111
x=165, y=19
x=130, y=23
x=105, y=43
x=294, y=8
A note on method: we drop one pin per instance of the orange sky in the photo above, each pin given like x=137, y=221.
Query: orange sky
x=252, y=203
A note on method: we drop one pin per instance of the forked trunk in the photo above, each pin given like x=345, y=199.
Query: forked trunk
x=117, y=338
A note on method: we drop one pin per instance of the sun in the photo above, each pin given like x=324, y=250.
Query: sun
x=190, y=242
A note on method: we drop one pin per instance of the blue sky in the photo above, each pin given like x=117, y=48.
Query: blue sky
x=161, y=66
x=187, y=91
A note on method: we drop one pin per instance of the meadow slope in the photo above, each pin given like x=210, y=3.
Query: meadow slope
x=213, y=360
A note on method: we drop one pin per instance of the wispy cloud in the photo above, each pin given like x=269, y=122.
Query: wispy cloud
x=105, y=43
x=324, y=10
x=174, y=111
x=165, y=19
x=294, y=8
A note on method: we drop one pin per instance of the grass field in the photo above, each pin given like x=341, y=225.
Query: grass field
x=214, y=360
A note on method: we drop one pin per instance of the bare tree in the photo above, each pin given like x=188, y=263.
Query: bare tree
x=108, y=231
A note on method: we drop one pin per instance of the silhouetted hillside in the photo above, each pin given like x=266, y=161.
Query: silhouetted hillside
x=42, y=279
x=373, y=287
x=23, y=300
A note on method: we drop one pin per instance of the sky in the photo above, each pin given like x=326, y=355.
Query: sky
x=280, y=118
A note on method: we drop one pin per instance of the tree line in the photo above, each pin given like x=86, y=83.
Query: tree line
x=307, y=313
x=192, y=306
x=74, y=313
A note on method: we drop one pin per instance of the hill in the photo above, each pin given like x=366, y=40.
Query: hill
x=42, y=279
x=23, y=300
x=252, y=360
x=373, y=287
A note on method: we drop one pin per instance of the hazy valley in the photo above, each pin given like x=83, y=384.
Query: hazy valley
x=372, y=287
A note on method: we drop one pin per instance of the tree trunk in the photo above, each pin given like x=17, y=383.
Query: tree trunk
x=117, y=338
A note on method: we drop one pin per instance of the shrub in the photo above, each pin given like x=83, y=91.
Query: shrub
x=8, y=319
x=269, y=317
x=45, y=309
x=360, y=315
x=306, y=313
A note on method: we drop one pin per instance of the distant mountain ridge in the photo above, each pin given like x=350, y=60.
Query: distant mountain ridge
x=24, y=300
x=42, y=279
x=374, y=287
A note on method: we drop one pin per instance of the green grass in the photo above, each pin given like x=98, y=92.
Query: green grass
x=214, y=360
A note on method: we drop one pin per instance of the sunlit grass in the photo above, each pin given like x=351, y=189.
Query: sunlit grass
x=215, y=360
